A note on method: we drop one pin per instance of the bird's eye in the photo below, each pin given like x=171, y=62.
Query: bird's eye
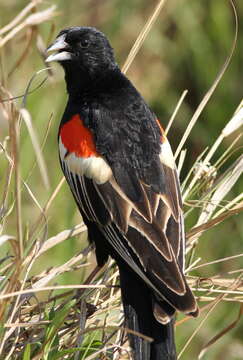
x=84, y=43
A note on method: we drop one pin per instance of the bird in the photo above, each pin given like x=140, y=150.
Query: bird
x=121, y=171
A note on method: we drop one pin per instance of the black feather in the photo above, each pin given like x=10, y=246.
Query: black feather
x=136, y=215
x=136, y=298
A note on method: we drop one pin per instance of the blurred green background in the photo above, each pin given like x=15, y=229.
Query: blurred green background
x=184, y=50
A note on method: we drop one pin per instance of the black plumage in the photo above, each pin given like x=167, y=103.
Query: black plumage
x=127, y=190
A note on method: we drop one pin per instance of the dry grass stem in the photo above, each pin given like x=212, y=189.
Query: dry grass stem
x=142, y=36
x=44, y=314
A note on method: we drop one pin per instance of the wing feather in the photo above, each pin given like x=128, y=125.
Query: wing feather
x=139, y=213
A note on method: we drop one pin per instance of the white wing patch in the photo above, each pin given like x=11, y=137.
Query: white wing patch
x=93, y=167
x=166, y=155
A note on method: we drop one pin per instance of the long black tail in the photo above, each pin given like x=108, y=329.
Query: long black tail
x=137, y=302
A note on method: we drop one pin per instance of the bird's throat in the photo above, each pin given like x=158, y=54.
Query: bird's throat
x=82, y=83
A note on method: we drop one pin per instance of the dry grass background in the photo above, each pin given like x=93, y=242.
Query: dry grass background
x=54, y=304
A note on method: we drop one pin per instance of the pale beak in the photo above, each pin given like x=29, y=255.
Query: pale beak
x=59, y=45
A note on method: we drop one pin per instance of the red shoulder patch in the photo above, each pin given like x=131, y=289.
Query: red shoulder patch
x=161, y=131
x=77, y=138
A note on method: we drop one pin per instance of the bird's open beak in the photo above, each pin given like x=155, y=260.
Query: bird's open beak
x=61, y=50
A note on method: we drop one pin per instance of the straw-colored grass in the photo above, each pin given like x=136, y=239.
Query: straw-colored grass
x=44, y=319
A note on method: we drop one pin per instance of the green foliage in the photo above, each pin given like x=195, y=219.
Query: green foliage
x=185, y=49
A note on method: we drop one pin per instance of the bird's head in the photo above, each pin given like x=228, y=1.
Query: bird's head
x=82, y=50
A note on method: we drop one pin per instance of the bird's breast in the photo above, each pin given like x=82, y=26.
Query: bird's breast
x=78, y=151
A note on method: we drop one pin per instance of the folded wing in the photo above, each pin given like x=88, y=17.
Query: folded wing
x=139, y=213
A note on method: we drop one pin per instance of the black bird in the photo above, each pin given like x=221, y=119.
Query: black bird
x=120, y=169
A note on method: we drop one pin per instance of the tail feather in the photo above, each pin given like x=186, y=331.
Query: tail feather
x=163, y=347
x=138, y=309
x=141, y=348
